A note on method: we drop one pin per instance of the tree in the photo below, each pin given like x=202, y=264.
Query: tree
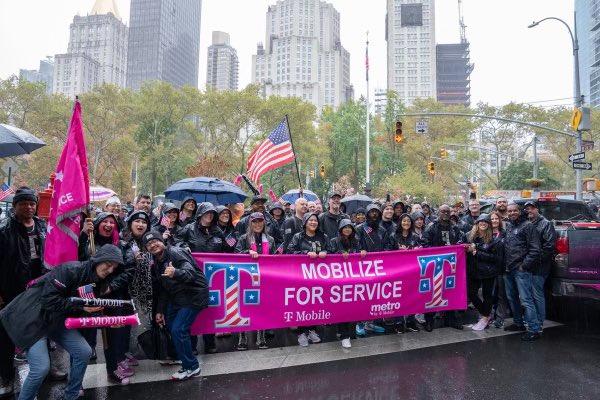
x=515, y=175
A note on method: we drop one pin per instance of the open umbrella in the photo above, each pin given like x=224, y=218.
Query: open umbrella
x=15, y=141
x=99, y=193
x=356, y=201
x=202, y=189
x=294, y=194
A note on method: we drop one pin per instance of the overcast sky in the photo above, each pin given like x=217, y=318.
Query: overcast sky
x=512, y=62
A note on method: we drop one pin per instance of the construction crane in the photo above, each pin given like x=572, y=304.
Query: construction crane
x=461, y=23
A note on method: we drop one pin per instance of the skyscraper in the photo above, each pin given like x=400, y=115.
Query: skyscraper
x=164, y=42
x=594, y=55
x=585, y=22
x=411, y=56
x=453, y=70
x=222, y=69
x=303, y=54
x=97, y=51
x=44, y=74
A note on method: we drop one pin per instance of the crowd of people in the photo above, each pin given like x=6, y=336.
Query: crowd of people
x=145, y=255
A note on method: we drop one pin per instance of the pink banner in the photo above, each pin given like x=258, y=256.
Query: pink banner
x=71, y=196
x=101, y=322
x=293, y=290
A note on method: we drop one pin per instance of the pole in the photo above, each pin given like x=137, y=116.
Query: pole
x=578, y=178
x=535, y=157
x=136, y=177
x=9, y=174
x=287, y=121
x=368, y=151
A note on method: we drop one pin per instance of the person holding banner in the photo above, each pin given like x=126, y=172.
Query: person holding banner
x=182, y=294
x=346, y=243
x=39, y=313
x=315, y=243
x=256, y=241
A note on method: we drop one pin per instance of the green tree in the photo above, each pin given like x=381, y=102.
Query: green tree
x=514, y=176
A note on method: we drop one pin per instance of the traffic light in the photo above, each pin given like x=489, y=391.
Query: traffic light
x=431, y=167
x=443, y=153
x=322, y=171
x=398, y=133
x=312, y=173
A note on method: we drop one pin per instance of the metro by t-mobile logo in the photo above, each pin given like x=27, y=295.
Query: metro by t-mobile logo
x=439, y=279
x=232, y=273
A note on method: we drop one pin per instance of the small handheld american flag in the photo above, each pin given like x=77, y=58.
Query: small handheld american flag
x=280, y=249
x=164, y=221
x=368, y=229
x=86, y=292
x=5, y=191
x=231, y=240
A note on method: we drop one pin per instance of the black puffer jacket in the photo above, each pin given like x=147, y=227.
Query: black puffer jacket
x=547, y=242
x=397, y=239
x=329, y=223
x=187, y=288
x=435, y=235
x=272, y=227
x=243, y=247
x=372, y=238
x=228, y=231
x=278, y=222
x=201, y=239
x=484, y=264
x=15, y=256
x=522, y=247
x=302, y=243
x=291, y=226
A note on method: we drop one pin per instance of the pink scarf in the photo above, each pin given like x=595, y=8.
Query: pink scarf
x=265, y=244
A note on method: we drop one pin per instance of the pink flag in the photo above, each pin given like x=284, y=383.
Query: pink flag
x=70, y=198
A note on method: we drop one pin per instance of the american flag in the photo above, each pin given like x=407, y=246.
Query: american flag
x=280, y=249
x=231, y=240
x=164, y=221
x=272, y=153
x=5, y=191
x=368, y=229
x=86, y=292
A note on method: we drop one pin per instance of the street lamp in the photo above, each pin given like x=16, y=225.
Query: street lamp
x=578, y=99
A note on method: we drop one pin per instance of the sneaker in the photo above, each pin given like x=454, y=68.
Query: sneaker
x=184, y=374
x=21, y=356
x=193, y=372
x=515, y=328
x=400, y=328
x=360, y=329
x=371, y=326
x=303, y=340
x=420, y=318
x=118, y=377
x=242, y=342
x=499, y=323
x=131, y=360
x=6, y=387
x=125, y=369
x=411, y=326
x=531, y=336
x=346, y=343
x=169, y=362
x=261, y=340
x=313, y=337
x=480, y=325
x=94, y=356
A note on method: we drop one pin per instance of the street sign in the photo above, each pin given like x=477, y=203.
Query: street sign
x=575, y=118
x=576, y=156
x=421, y=127
x=587, y=145
x=10, y=164
x=582, y=165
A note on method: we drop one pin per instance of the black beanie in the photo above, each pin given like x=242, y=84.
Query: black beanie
x=24, y=193
x=108, y=253
x=152, y=235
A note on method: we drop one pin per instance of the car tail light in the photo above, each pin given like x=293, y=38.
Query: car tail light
x=562, y=245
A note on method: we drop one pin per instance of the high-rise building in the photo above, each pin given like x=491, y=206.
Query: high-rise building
x=411, y=56
x=380, y=101
x=453, y=74
x=594, y=55
x=585, y=18
x=164, y=42
x=44, y=74
x=98, y=46
x=303, y=54
x=222, y=68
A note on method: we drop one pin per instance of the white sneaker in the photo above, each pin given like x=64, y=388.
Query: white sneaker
x=303, y=340
x=481, y=325
x=6, y=387
x=193, y=372
x=346, y=343
x=420, y=318
x=313, y=337
x=184, y=374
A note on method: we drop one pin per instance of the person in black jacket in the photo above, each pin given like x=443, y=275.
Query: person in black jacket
x=399, y=209
x=255, y=242
x=294, y=224
x=182, y=294
x=330, y=219
x=171, y=226
x=187, y=211
x=20, y=263
x=39, y=313
x=225, y=224
x=346, y=243
x=548, y=246
x=315, y=243
x=468, y=221
x=441, y=232
x=522, y=253
x=258, y=205
x=482, y=269
x=387, y=213
x=278, y=214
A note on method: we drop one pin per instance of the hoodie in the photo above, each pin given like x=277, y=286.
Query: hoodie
x=371, y=235
x=302, y=243
x=203, y=239
x=192, y=218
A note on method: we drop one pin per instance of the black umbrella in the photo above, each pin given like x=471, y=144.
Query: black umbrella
x=356, y=201
x=202, y=188
x=15, y=141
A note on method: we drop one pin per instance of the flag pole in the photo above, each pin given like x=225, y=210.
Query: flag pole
x=287, y=121
x=368, y=150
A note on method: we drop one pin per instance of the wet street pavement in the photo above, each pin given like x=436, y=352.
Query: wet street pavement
x=564, y=364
